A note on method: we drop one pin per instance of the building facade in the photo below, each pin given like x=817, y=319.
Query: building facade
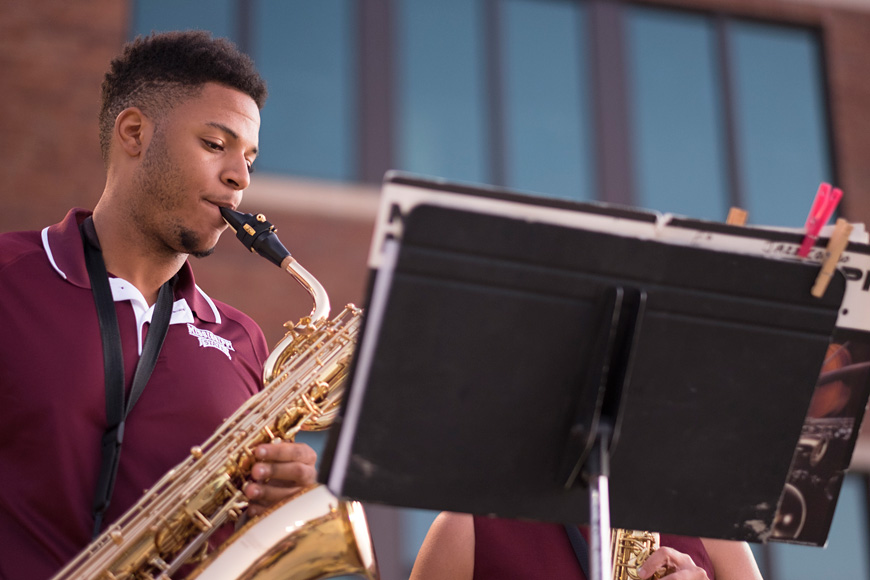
x=684, y=106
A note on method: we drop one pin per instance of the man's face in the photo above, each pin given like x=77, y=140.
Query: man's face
x=197, y=160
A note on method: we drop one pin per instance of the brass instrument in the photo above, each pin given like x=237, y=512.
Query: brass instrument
x=312, y=534
x=629, y=549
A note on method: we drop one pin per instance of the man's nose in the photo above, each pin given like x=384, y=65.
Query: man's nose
x=236, y=175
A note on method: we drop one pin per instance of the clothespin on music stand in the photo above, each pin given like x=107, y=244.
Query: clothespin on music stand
x=736, y=217
x=825, y=203
x=838, y=242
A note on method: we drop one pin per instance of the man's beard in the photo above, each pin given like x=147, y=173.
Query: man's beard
x=161, y=181
x=190, y=242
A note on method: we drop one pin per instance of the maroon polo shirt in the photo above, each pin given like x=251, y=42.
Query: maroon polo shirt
x=506, y=548
x=52, y=393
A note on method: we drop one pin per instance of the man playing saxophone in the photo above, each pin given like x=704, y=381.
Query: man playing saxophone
x=89, y=403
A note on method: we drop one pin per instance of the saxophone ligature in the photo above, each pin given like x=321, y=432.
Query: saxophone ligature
x=309, y=536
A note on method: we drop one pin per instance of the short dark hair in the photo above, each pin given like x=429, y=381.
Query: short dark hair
x=157, y=71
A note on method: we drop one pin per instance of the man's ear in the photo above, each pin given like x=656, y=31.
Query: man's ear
x=133, y=130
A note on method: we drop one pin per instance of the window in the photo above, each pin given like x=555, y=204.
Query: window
x=704, y=88
x=719, y=111
x=305, y=52
x=547, y=128
x=441, y=125
x=495, y=93
x=676, y=109
x=781, y=120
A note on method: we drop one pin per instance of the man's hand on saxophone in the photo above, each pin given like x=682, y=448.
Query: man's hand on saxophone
x=281, y=470
x=672, y=563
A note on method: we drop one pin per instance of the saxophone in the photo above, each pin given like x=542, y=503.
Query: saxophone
x=629, y=549
x=308, y=536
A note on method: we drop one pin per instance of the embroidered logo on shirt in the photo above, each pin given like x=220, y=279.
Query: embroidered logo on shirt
x=208, y=338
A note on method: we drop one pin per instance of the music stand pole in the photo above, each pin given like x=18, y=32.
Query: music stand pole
x=598, y=467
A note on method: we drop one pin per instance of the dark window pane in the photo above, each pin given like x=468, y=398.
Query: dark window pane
x=305, y=51
x=781, y=121
x=547, y=126
x=216, y=16
x=678, y=144
x=441, y=121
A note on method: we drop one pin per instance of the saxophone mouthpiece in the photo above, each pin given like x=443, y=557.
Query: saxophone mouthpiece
x=257, y=234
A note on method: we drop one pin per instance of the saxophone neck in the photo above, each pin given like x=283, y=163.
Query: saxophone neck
x=320, y=311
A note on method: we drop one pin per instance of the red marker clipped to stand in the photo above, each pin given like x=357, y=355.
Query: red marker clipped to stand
x=826, y=201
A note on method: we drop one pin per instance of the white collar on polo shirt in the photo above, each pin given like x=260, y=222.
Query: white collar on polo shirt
x=123, y=290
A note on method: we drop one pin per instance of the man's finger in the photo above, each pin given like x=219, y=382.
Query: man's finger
x=280, y=452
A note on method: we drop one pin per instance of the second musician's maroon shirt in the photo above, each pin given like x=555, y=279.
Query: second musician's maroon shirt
x=506, y=548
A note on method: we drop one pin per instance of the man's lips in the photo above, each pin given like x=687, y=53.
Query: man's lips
x=219, y=203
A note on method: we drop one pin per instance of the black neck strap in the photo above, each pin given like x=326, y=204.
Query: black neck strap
x=581, y=548
x=113, y=361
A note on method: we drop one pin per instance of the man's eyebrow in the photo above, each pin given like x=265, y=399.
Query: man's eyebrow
x=229, y=132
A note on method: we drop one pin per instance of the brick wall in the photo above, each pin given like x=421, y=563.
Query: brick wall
x=53, y=54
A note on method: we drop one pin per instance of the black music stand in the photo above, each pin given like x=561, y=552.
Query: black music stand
x=520, y=369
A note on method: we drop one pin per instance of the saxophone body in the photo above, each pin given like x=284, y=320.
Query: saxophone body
x=310, y=535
